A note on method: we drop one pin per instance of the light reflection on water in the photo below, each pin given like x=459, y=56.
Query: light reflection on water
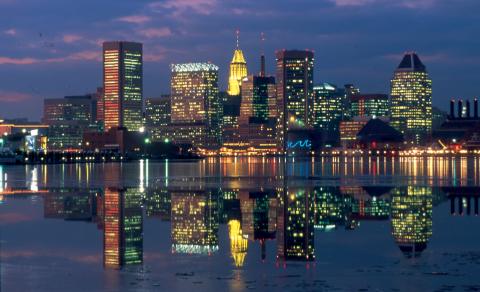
x=256, y=224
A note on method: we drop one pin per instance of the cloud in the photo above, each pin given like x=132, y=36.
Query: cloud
x=71, y=38
x=78, y=56
x=412, y=4
x=156, y=54
x=178, y=7
x=10, y=32
x=17, y=61
x=137, y=19
x=156, y=32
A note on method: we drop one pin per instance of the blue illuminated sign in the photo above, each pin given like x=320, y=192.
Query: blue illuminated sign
x=302, y=144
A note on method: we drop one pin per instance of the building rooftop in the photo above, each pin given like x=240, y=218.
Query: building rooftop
x=411, y=62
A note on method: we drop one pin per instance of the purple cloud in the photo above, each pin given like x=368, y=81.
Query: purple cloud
x=137, y=19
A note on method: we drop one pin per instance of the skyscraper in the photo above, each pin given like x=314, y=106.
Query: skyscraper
x=295, y=225
x=123, y=228
x=411, y=99
x=157, y=115
x=328, y=110
x=195, y=220
x=294, y=90
x=412, y=219
x=258, y=112
x=123, y=85
x=238, y=70
x=195, y=104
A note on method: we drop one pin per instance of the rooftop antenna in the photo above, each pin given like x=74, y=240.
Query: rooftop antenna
x=238, y=38
x=262, y=56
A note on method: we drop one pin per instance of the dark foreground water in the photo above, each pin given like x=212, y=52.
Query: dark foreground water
x=242, y=224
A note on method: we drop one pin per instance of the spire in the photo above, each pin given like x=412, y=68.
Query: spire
x=238, y=38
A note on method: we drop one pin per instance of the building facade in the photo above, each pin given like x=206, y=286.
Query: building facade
x=68, y=118
x=411, y=100
x=195, y=101
x=123, y=85
x=294, y=79
x=328, y=110
x=158, y=117
x=370, y=105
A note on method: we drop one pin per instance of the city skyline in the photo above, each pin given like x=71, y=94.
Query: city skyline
x=52, y=61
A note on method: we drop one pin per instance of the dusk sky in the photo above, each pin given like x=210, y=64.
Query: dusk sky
x=52, y=48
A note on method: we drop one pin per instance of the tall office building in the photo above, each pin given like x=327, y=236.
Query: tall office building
x=195, y=219
x=157, y=116
x=68, y=118
x=100, y=105
x=294, y=91
x=258, y=112
x=328, y=108
x=295, y=225
x=123, y=85
x=123, y=227
x=411, y=99
x=258, y=98
x=238, y=70
x=369, y=105
x=195, y=105
x=412, y=218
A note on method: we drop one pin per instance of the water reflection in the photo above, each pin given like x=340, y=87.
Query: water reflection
x=287, y=215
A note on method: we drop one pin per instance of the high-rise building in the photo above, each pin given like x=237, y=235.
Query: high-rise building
x=258, y=112
x=123, y=227
x=123, y=85
x=295, y=225
x=157, y=115
x=370, y=105
x=328, y=110
x=412, y=219
x=68, y=118
x=195, y=220
x=411, y=99
x=195, y=105
x=258, y=98
x=238, y=70
x=238, y=242
x=100, y=105
x=294, y=91
x=230, y=116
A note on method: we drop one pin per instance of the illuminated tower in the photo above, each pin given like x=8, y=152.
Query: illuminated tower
x=411, y=99
x=194, y=217
x=294, y=90
x=412, y=219
x=195, y=104
x=328, y=110
x=123, y=228
x=238, y=243
x=295, y=225
x=238, y=70
x=123, y=85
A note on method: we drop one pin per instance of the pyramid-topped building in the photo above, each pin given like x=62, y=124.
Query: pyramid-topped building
x=238, y=71
x=411, y=100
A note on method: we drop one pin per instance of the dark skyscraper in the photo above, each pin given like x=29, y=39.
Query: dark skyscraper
x=294, y=90
x=123, y=85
